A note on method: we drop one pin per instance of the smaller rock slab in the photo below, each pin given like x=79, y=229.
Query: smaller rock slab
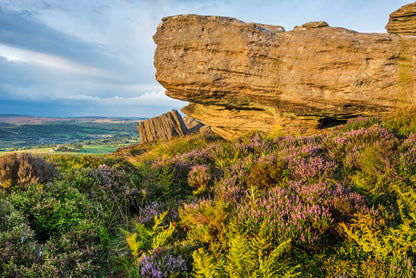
x=163, y=127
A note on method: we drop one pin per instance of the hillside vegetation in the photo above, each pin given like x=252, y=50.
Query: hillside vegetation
x=340, y=204
x=25, y=132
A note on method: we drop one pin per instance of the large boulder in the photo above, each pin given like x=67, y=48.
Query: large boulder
x=403, y=21
x=242, y=76
x=163, y=127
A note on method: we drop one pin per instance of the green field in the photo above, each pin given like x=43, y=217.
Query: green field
x=88, y=149
x=97, y=149
x=66, y=135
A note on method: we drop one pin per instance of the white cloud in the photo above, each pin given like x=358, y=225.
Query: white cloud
x=14, y=59
x=131, y=95
x=13, y=54
x=157, y=98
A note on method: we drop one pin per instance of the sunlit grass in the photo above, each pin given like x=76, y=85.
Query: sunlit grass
x=87, y=149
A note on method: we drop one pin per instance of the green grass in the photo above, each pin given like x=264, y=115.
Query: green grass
x=89, y=149
x=33, y=151
x=97, y=149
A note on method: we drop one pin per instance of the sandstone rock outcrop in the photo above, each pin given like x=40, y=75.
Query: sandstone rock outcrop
x=242, y=76
x=403, y=21
x=163, y=127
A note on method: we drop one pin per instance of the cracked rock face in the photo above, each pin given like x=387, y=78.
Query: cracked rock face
x=244, y=76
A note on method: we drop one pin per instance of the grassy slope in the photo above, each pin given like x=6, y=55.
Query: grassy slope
x=87, y=149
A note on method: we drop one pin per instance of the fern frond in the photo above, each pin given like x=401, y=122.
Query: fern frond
x=205, y=264
x=133, y=245
x=158, y=223
x=161, y=238
x=241, y=257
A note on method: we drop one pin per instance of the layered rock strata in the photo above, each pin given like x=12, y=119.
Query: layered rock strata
x=242, y=76
x=163, y=127
x=403, y=21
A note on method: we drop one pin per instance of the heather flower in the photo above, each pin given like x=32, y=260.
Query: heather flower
x=346, y=147
x=310, y=167
x=255, y=142
x=185, y=160
x=161, y=264
x=109, y=184
x=228, y=189
x=199, y=176
x=299, y=211
x=407, y=160
x=149, y=211
x=155, y=208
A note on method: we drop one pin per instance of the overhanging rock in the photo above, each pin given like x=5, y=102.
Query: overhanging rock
x=242, y=76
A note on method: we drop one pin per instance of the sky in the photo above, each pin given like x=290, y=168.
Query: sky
x=61, y=58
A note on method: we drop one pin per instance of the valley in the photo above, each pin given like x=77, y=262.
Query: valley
x=87, y=135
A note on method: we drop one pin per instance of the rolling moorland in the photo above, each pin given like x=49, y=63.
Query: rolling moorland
x=335, y=204
x=91, y=135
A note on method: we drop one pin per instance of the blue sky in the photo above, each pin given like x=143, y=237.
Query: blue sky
x=95, y=58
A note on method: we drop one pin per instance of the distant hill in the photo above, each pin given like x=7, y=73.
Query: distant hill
x=24, y=119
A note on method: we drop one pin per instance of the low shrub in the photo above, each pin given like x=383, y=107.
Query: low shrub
x=267, y=173
x=200, y=178
x=205, y=221
x=54, y=238
x=23, y=169
x=407, y=160
x=19, y=251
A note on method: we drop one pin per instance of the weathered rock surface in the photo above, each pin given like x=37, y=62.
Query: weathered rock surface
x=163, y=127
x=403, y=21
x=205, y=130
x=242, y=76
x=192, y=124
x=311, y=25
